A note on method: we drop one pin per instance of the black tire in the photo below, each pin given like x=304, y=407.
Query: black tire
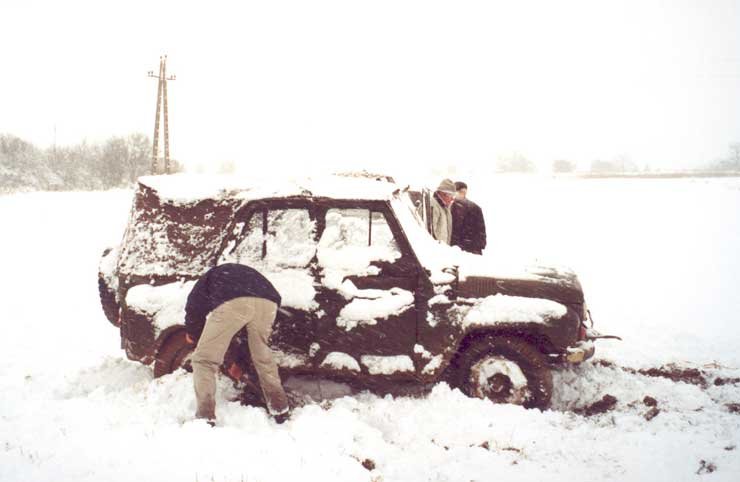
x=508, y=352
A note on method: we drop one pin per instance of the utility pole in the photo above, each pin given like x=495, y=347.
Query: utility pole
x=161, y=105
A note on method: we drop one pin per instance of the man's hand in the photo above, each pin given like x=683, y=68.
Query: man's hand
x=189, y=339
x=235, y=371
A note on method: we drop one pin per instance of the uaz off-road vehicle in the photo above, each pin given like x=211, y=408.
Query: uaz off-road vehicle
x=373, y=300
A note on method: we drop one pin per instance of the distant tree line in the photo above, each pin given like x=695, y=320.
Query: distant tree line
x=563, y=166
x=516, y=163
x=116, y=162
x=729, y=163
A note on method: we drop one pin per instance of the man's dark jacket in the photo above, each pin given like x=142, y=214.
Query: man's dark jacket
x=219, y=285
x=468, y=226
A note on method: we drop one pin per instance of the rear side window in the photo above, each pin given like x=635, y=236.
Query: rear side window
x=275, y=238
x=353, y=238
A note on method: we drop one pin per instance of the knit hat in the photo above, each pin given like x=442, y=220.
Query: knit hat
x=446, y=186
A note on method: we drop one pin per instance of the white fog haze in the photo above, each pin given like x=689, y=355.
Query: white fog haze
x=393, y=241
x=382, y=84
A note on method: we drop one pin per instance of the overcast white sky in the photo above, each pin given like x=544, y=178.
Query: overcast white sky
x=381, y=83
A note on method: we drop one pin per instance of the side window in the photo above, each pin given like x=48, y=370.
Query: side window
x=353, y=238
x=275, y=238
x=381, y=235
x=249, y=249
x=290, y=239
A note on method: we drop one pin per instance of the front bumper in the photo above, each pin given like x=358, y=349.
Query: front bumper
x=579, y=352
x=583, y=349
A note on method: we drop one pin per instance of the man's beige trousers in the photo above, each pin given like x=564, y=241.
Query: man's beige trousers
x=257, y=314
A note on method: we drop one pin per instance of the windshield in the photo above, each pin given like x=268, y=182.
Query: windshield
x=437, y=257
x=433, y=255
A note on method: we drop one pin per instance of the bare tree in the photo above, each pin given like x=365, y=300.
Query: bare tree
x=734, y=158
x=72, y=165
x=19, y=165
x=117, y=162
x=227, y=167
x=729, y=163
x=514, y=162
x=605, y=167
x=563, y=166
x=113, y=161
x=137, y=161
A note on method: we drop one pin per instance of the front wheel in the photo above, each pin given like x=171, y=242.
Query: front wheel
x=505, y=369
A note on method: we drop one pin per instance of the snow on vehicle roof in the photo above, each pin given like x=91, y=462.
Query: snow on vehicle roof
x=185, y=188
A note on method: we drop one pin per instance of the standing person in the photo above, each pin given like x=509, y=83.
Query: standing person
x=223, y=301
x=441, y=214
x=468, y=225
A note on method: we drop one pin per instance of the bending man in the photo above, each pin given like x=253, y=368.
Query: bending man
x=223, y=301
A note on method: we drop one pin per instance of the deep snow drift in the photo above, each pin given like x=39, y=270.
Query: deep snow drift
x=659, y=265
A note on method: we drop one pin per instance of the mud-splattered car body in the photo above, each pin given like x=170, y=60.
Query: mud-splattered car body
x=373, y=300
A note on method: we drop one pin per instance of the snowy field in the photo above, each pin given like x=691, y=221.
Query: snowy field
x=659, y=263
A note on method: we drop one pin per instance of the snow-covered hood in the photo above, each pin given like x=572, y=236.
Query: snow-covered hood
x=482, y=276
x=550, y=283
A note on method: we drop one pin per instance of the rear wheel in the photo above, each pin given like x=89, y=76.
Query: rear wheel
x=505, y=369
x=174, y=353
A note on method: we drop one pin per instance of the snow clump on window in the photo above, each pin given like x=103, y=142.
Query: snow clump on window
x=353, y=239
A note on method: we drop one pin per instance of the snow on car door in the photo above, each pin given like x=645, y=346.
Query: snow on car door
x=281, y=243
x=367, y=321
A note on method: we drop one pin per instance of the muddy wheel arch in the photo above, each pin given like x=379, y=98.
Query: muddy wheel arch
x=173, y=352
x=504, y=369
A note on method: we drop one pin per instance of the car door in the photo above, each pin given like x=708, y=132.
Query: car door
x=366, y=291
x=279, y=240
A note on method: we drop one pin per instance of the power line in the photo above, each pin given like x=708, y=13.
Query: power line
x=161, y=105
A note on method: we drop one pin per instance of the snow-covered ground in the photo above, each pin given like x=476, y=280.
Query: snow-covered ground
x=658, y=260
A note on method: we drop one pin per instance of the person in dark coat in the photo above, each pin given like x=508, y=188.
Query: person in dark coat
x=468, y=225
x=224, y=300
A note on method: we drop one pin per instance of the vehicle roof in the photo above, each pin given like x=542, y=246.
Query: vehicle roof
x=187, y=188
